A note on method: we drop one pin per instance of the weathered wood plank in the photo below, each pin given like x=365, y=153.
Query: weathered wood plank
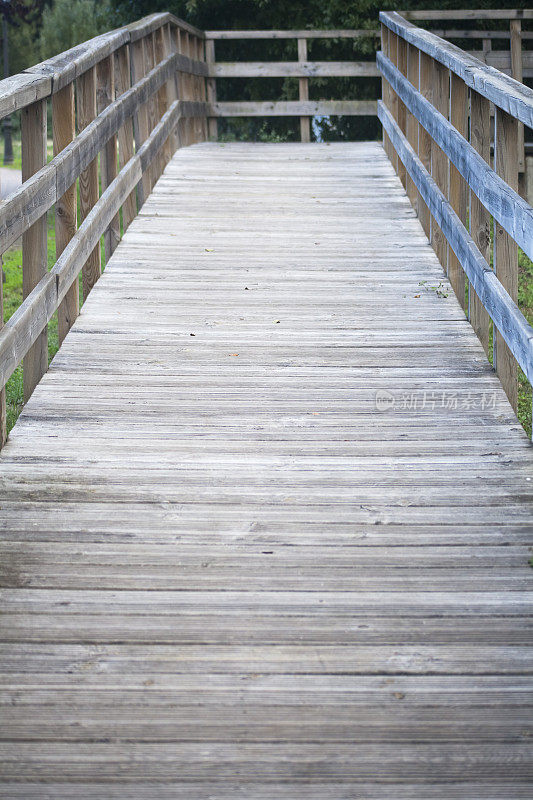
x=293, y=108
x=88, y=182
x=295, y=69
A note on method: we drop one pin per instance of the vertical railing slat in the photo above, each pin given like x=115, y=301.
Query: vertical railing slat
x=64, y=132
x=458, y=186
x=505, y=248
x=140, y=119
x=402, y=111
x=424, y=139
x=439, y=161
x=34, y=240
x=479, y=216
x=412, y=123
x=303, y=84
x=125, y=133
x=211, y=86
x=3, y=405
x=86, y=86
x=105, y=94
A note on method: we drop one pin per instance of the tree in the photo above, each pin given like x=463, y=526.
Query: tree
x=67, y=23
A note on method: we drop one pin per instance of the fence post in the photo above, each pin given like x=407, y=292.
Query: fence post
x=162, y=95
x=385, y=89
x=505, y=248
x=140, y=119
x=305, y=122
x=439, y=162
x=105, y=94
x=3, y=408
x=458, y=195
x=479, y=216
x=517, y=73
x=172, y=92
x=424, y=139
x=125, y=133
x=393, y=56
x=412, y=123
x=402, y=111
x=34, y=244
x=86, y=85
x=211, y=87
x=64, y=131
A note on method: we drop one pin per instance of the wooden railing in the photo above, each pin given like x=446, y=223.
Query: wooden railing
x=436, y=117
x=120, y=104
x=301, y=69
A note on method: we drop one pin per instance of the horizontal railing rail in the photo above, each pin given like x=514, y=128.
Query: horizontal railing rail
x=120, y=103
x=303, y=69
x=436, y=117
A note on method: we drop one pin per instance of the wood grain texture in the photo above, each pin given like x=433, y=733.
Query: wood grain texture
x=235, y=558
x=125, y=133
x=105, y=95
x=34, y=247
x=88, y=182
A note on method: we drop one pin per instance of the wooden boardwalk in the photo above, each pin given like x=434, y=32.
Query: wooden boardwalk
x=265, y=522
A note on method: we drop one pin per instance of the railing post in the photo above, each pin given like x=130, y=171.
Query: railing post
x=125, y=133
x=458, y=193
x=393, y=55
x=402, y=111
x=34, y=244
x=211, y=85
x=424, y=139
x=64, y=132
x=305, y=122
x=412, y=123
x=171, y=85
x=140, y=119
x=479, y=216
x=3, y=407
x=105, y=94
x=86, y=86
x=162, y=95
x=517, y=73
x=439, y=162
x=505, y=248
x=199, y=90
x=385, y=89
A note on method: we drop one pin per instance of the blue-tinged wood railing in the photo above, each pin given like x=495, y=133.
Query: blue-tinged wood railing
x=437, y=117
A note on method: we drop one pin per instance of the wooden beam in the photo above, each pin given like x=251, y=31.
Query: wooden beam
x=303, y=85
x=211, y=88
x=424, y=139
x=439, y=161
x=141, y=125
x=505, y=248
x=458, y=194
x=295, y=108
x=105, y=95
x=297, y=34
x=64, y=132
x=413, y=59
x=294, y=69
x=125, y=132
x=480, y=138
x=3, y=405
x=86, y=86
x=516, y=71
x=34, y=239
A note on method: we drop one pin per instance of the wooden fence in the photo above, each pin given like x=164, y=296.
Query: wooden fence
x=301, y=69
x=120, y=104
x=436, y=116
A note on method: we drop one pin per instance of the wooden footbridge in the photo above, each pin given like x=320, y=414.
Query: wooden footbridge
x=265, y=520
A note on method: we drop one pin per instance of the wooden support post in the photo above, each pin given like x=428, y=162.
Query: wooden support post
x=172, y=90
x=479, y=216
x=424, y=139
x=162, y=95
x=385, y=89
x=105, y=94
x=86, y=86
x=125, y=134
x=3, y=407
x=211, y=88
x=305, y=122
x=393, y=55
x=187, y=94
x=201, y=95
x=458, y=186
x=505, y=248
x=517, y=73
x=412, y=122
x=154, y=170
x=64, y=131
x=439, y=161
x=402, y=111
x=174, y=45
x=34, y=244
x=140, y=120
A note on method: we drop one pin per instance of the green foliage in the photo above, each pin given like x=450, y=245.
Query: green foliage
x=67, y=23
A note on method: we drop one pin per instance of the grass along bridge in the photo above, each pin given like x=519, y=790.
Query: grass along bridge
x=266, y=519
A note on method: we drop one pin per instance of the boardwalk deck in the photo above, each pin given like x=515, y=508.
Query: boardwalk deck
x=265, y=522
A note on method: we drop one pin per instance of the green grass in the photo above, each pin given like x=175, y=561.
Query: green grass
x=17, y=153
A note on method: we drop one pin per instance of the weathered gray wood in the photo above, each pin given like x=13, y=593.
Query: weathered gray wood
x=211, y=87
x=303, y=90
x=511, y=324
x=477, y=14
x=66, y=212
x=480, y=139
x=294, y=69
x=105, y=95
x=296, y=34
x=22, y=90
x=500, y=199
x=222, y=565
x=34, y=247
x=125, y=132
x=293, y=108
x=458, y=192
x=503, y=91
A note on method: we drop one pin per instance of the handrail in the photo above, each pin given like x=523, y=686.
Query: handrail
x=435, y=114
x=139, y=94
